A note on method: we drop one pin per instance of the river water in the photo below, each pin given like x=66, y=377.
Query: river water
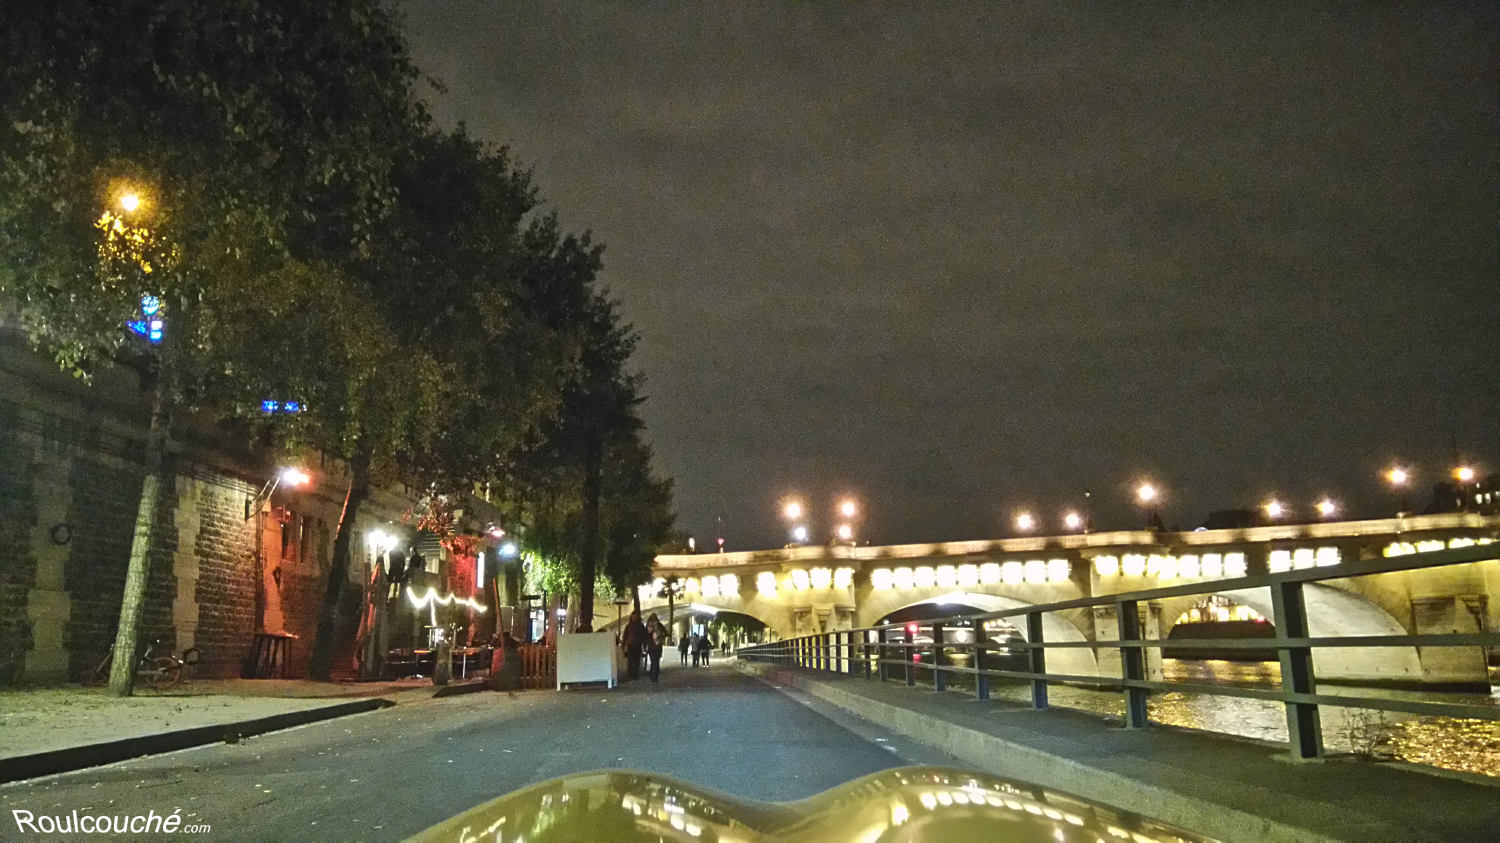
x=1466, y=745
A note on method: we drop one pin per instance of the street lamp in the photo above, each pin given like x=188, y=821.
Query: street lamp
x=1398, y=477
x=848, y=509
x=290, y=476
x=1327, y=508
x=1274, y=509
x=1025, y=522
x=1073, y=521
x=1150, y=498
x=845, y=533
x=793, y=510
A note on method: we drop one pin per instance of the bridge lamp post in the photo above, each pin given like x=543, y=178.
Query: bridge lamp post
x=1150, y=497
x=1463, y=477
x=1399, y=479
x=793, y=510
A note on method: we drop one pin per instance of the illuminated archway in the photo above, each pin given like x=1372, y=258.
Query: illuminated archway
x=1056, y=626
x=1331, y=611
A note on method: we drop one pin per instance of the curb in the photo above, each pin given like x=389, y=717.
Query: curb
x=21, y=767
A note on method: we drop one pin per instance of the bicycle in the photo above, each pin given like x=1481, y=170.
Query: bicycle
x=159, y=672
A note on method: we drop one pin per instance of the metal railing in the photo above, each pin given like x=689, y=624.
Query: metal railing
x=892, y=650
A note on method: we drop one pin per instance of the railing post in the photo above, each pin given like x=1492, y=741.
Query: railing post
x=1036, y=657
x=1132, y=662
x=864, y=651
x=939, y=676
x=1303, y=725
x=880, y=654
x=851, y=665
x=911, y=665
x=981, y=680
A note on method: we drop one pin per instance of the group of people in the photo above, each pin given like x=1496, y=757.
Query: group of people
x=699, y=645
x=643, y=643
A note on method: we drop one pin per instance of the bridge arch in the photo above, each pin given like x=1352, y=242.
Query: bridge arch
x=1331, y=611
x=1056, y=626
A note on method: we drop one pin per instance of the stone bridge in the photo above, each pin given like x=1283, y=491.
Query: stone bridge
x=809, y=589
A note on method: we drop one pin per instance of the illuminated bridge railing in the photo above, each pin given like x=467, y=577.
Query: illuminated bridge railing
x=901, y=650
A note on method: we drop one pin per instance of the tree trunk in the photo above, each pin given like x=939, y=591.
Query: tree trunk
x=588, y=555
x=338, y=570
x=127, y=635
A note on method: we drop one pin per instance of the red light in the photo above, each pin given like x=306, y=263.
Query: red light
x=916, y=657
x=912, y=628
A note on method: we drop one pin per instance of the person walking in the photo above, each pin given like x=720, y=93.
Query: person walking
x=693, y=648
x=635, y=644
x=656, y=637
x=683, y=644
x=705, y=647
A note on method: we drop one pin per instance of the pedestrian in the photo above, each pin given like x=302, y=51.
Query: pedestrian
x=683, y=644
x=635, y=644
x=693, y=648
x=658, y=637
x=705, y=647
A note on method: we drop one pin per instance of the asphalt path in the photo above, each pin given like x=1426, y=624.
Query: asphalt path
x=388, y=774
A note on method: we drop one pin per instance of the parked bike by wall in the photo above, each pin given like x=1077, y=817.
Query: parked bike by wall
x=158, y=671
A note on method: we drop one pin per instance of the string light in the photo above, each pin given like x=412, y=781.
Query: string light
x=431, y=598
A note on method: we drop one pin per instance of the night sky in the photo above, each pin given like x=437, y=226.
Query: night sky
x=960, y=260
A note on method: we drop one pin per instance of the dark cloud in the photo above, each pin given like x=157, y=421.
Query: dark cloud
x=963, y=258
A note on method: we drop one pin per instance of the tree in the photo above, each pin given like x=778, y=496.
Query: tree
x=227, y=126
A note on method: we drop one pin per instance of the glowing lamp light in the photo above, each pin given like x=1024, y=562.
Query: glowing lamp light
x=792, y=510
x=1274, y=510
x=1397, y=476
x=848, y=509
x=799, y=534
x=1072, y=520
x=1327, y=508
x=1025, y=522
x=1463, y=474
x=508, y=550
x=130, y=202
x=294, y=477
x=845, y=532
x=912, y=627
x=1146, y=493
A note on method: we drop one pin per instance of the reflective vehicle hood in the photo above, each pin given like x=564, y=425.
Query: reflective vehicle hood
x=904, y=803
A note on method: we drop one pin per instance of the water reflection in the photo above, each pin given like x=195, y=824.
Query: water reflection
x=1466, y=745
x=906, y=803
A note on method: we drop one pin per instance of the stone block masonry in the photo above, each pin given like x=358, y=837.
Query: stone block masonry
x=71, y=472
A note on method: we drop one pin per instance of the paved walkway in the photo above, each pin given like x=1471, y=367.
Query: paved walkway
x=1223, y=787
x=391, y=773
